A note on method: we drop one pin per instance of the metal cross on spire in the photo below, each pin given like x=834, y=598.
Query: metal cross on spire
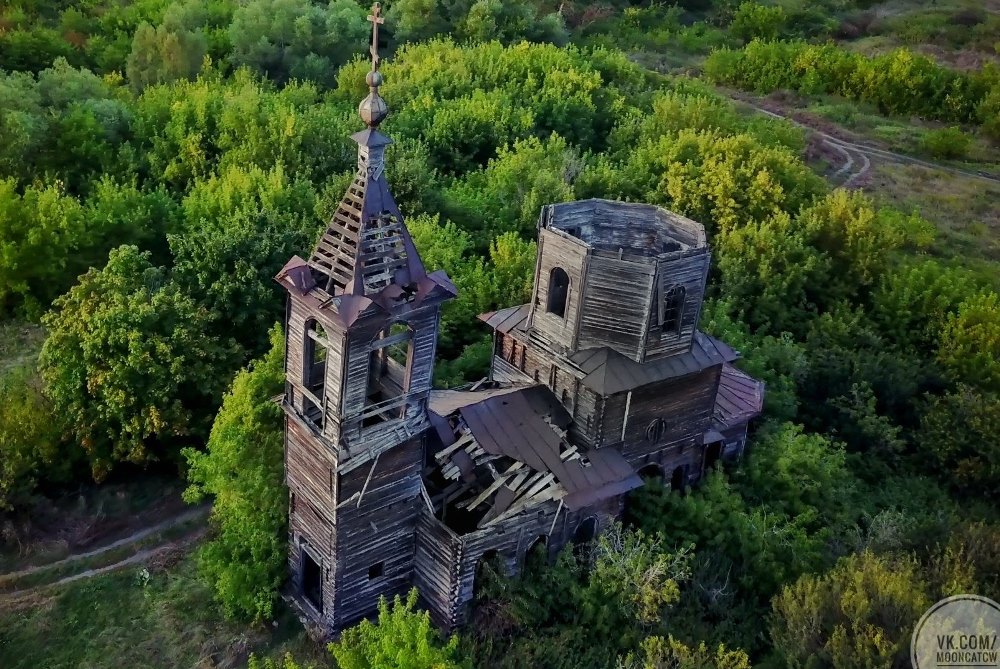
x=376, y=19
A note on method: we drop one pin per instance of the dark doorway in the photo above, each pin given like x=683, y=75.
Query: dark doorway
x=583, y=538
x=651, y=472
x=712, y=455
x=585, y=531
x=678, y=479
x=312, y=581
x=489, y=570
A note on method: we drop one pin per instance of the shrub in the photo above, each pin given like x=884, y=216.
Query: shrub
x=946, y=142
x=757, y=21
x=402, y=638
x=242, y=468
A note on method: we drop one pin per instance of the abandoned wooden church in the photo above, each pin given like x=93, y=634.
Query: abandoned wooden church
x=601, y=378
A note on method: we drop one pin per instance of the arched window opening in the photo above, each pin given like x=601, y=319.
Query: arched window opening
x=651, y=472
x=673, y=309
x=389, y=363
x=489, y=572
x=566, y=400
x=537, y=554
x=558, y=292
x=314, y=354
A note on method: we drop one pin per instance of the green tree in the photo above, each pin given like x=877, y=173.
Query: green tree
x=417, y=20
x=239, y=229
x=39, y=232
x=752, y=20
x=914, y=299
x=859, y=614
x=845, y=227
x=513, y=269
x=402, y=638
x=129, y=365
x=770, y=270
x=23, y=124
x=759, y=546
x=659, y=653
x=799, y=474
x=958, y=432
x=969, y=349
x=163, y=54
x=121, y=213
x=242, y=470
x=511, y=21
x=29, y=436
x=445, y=246
x=287, y=39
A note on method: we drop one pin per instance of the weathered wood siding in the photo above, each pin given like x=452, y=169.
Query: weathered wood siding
x=295, y=364
x=309, y=465
x=436, y=567
x=557, y=249
x=512, y=539
x=690, y=270
x=684, y=406
x=375, y=529
x=616, y=303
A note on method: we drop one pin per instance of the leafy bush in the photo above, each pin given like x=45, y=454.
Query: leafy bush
x=402, y=638
x=861, y=613
x=958, y=435
x=29, y=437
x=288, y=39
x=898, y=82
x=242, y=469
x=754, y=21
x=946, y=143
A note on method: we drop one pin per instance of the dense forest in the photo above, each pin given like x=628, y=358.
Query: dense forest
x=160, y=160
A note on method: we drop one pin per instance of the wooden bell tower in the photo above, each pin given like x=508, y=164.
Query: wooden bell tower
x=361, y=330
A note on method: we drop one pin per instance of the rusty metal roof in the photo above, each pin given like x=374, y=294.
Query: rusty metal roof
x=740, y=397
x=608, y=372
x=444, y=402
x=505, y=320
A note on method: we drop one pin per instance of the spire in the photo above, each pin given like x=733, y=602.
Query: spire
x=366, y=250
x=373, y=108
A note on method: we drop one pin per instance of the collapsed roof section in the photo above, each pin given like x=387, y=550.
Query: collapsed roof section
x=503, y=451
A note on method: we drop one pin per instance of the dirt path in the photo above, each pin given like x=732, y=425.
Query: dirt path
x=141, y=556
x=139, y=535
x=854, y=152
x=29, y=595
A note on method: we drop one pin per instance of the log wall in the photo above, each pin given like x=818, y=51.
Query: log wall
x=616, y=304
x=683, y=407
x=446, y=565
x=690, y=270
x=557, y=249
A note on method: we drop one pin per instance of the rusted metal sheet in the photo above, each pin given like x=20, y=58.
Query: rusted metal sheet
x=740, y=398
